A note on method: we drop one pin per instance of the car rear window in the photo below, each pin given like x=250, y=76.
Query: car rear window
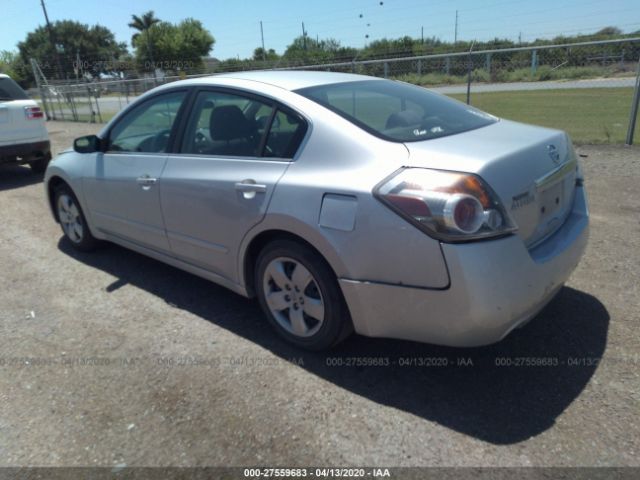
x=398, y=111
x=10, y=90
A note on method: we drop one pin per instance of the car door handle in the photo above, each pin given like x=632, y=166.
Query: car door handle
x=146, y=181
x=250, y=186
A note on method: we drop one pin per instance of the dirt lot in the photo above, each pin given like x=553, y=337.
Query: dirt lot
x=112, y=358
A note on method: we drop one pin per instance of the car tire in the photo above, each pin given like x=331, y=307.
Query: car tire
x=72, y=220
x=39, y=166
x=287, y=275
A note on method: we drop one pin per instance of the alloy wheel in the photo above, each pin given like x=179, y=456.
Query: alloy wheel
x=70, y=218
x=293, y=297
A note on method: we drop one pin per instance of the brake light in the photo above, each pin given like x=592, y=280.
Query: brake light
x=449, y=206
x=33, y=113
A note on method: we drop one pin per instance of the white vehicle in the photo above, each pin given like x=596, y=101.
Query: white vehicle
x=23, y=133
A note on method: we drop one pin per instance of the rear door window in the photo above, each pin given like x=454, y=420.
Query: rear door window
x=226, y=124
x=286, y=133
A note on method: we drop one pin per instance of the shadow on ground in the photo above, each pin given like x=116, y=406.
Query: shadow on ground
x=17, y=176
x=498, y=404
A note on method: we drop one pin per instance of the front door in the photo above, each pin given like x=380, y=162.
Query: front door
x=123, y=184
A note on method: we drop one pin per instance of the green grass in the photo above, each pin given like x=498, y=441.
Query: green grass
x=589, y=115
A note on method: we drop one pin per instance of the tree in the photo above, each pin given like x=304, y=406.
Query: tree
x=177, y=47
x=143, y=24
x=399, y=47
x=96, y=47
x=269, y=55
x=305, y=49
x=11, y=64
x=614, y=31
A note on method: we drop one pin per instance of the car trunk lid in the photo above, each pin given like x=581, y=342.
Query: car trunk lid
x=532, y=169
x=15, y=127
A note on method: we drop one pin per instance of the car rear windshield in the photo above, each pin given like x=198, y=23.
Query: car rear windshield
x=397, y=111
x=10, y=90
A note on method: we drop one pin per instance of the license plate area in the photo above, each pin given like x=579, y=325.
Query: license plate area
x=551, y=202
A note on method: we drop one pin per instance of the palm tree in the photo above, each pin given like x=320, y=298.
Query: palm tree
x=143, y=24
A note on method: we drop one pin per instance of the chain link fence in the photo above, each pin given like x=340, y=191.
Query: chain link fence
x=584, y=88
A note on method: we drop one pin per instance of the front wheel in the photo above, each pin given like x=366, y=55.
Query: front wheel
x=300, y=296
x=72, y=220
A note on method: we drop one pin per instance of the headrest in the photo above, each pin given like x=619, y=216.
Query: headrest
x=228, y=123
x=403, y=119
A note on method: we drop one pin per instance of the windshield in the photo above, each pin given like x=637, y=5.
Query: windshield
x=398, y=111
x=10, y=90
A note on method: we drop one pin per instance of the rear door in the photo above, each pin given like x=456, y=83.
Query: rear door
x=234, y=149
x=122, y=185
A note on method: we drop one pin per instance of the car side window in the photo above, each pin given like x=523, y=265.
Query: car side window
x=286, y=133
x=147, y=128
x=224, y=124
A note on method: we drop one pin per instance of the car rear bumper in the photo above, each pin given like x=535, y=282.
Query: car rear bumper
x=25, y=152
x=495, y=287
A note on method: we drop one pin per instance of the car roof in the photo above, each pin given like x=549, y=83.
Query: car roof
x=2, y=75
x=288, y=79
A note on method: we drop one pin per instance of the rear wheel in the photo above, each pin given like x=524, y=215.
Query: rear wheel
x=300, y=296
x=72, y=220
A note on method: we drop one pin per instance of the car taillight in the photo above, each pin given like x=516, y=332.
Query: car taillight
x=450, y=206
x=33, y=112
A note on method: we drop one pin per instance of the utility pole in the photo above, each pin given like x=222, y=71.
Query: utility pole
x=422, y=34
x=77, y=67
x=304, y=37
x=455, y=36
x=264, y=53
x=52, y=40
x=469, y=68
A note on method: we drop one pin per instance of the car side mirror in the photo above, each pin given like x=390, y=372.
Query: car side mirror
x=88, y=144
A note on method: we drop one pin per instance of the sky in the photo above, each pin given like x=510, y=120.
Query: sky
x=235, y=24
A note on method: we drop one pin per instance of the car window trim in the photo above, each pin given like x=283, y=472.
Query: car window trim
x=135, y=106
x=267, y=131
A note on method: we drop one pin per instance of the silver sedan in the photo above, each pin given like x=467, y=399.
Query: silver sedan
x=341, y=202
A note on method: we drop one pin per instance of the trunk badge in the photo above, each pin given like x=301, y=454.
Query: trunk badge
x=554, y=155
x=522, y=199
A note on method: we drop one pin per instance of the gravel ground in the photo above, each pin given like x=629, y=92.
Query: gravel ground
x=112, y=358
